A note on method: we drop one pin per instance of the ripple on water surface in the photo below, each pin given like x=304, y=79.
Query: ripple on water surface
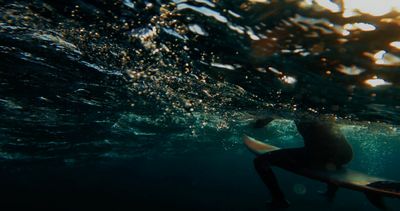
x=127, y=74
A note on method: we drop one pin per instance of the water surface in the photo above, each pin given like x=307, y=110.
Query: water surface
x=150, y=98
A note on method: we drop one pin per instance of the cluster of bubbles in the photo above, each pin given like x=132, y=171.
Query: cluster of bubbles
x=197, y=67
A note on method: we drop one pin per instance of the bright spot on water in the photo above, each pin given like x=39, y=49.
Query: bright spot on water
x=322, y=24
x=299, y=189
x=174, y=33
x=197, y=29
x=234, y=14
x=359, y=26
x=238, y=29
x=274, y=70
x=225, y=66
x=143, y=33
x=379, y=54
x=389, y=60
x=357, y=7
x=260, y=1
x=206, y=2
x=395, y=44
x=371, y=7
x=203, y=10
x=345, y=32
x=352, y=70
x=374, y=82
x=129, y=4
x=251, y=34
x=327, y=4
x=288, y=79
x=384, y=58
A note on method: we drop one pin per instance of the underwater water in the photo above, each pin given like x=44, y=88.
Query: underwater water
x=141, y=105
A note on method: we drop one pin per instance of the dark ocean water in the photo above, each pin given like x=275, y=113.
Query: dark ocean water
x=140, y=105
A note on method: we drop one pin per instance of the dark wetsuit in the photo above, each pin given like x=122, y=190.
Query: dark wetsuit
x=324, y=147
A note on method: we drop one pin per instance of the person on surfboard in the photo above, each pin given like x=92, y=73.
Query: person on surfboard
x=325, y=147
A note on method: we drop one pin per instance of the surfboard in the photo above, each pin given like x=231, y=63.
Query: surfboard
x=374, y=187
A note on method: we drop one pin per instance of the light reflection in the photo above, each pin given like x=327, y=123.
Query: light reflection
x=129, y=4
x=306, y=3
x=234, y=14
x=379, y=55
x=224, y=66
x=327, y=4
x=288, y=79
x=352, y=70
x=326, y=27
x=383, y=58
x=205, y=2
x=274, y=70
x=238, y=29
x=375, y=81
x=209, y=3
x=371, y=7
x=284, y=78
x=359, y=26
x=395, y=44
x=203, y=10
x=195, y=28
x=345, y=33
x=251, y=34
x=389, y=60
x=260, y=1
x=351, y=8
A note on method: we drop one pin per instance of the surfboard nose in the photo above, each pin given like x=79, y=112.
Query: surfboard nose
x=257, y=147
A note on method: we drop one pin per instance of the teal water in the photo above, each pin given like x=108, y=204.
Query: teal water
x=141, y=104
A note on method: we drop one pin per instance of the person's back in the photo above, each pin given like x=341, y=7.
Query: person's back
x=324, y=142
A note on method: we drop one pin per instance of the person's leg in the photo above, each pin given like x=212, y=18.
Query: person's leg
x=263, y=168
x=283, y=157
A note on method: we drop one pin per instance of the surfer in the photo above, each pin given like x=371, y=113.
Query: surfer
x=325, y=147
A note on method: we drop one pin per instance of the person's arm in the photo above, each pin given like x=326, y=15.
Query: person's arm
x=262, y=122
